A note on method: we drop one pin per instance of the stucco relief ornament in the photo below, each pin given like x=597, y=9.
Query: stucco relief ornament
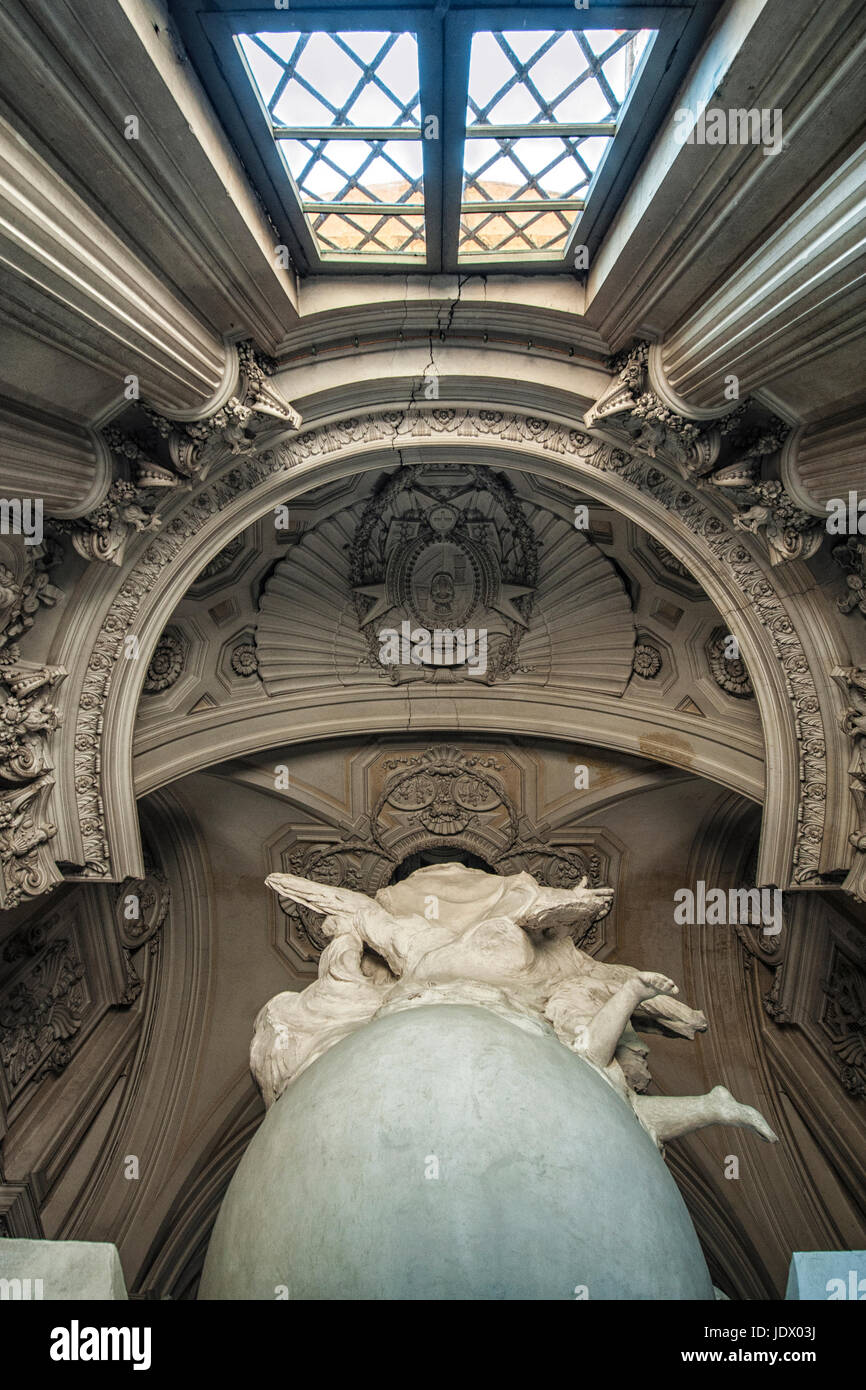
x=844, y=1019
x=244, y=660
x=851, y=557
x=500, y=943
x=647, y=661
x=166, y=664
x=27, y=723
x=728, y=672
x=195, y=447
x=630, y=405
x=40, y=1014
x=790, y=533
x=103, y=533
x=446, y=548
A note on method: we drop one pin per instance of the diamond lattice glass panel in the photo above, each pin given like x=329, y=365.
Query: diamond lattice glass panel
x=543, y=78
x=317, y=88
x=381, y=235
x=355, y=171
x=513, y=232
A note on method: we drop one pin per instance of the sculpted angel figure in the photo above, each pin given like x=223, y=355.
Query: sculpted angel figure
x=507, y=943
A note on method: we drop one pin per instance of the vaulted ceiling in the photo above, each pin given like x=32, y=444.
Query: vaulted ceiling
x=599, y=421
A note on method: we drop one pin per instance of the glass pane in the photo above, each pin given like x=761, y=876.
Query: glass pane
x=382, y=234
x=532, y=77
x=507, y=233
x=338, y=81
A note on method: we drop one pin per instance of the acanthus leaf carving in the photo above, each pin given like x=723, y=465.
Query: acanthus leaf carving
x=103, y=533
x=720, y=452
x=40, y=1014
x=851, y=557
x=27, y=723
x=194, y=447
x=844, y=1020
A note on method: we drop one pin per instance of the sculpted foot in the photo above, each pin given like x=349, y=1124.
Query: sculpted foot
x=649, y=983
x=731, y=1112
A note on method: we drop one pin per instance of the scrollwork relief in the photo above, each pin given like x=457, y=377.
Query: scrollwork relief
x=444, y=799
x=40, y=1014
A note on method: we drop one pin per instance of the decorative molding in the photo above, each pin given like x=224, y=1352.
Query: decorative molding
x=40, y=1013
x=728, y=672
x=103, y=533
x=630, y=404
x=27, y=723
x=852, y=679
x=244, y=661
x=166, y=664
x=440, y=798
x=744, y=575
x=726, y=451
x=193, y=447
x=844, y=1020
x=647, y=661
x=171, y=454
x=790, y=533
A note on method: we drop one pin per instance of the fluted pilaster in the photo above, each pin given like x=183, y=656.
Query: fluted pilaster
x=802, y=294
x=826, y=459
x=42, y=455
x=95, y=298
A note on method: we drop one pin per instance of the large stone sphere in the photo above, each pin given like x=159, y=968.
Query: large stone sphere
x=446, y=1153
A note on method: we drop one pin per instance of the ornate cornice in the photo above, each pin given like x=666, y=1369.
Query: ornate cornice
x=725, y=551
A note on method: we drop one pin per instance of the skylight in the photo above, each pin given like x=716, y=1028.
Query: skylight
x=345, y=111
x=542, y=111
x=447, y=137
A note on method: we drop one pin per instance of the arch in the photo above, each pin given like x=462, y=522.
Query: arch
x=785, y=643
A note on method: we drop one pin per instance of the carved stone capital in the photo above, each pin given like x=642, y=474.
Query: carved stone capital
x=195, y=446
x=724, y=451
x=630, y=404
x=851, y=557
x=767, y=511
x=103, y=533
